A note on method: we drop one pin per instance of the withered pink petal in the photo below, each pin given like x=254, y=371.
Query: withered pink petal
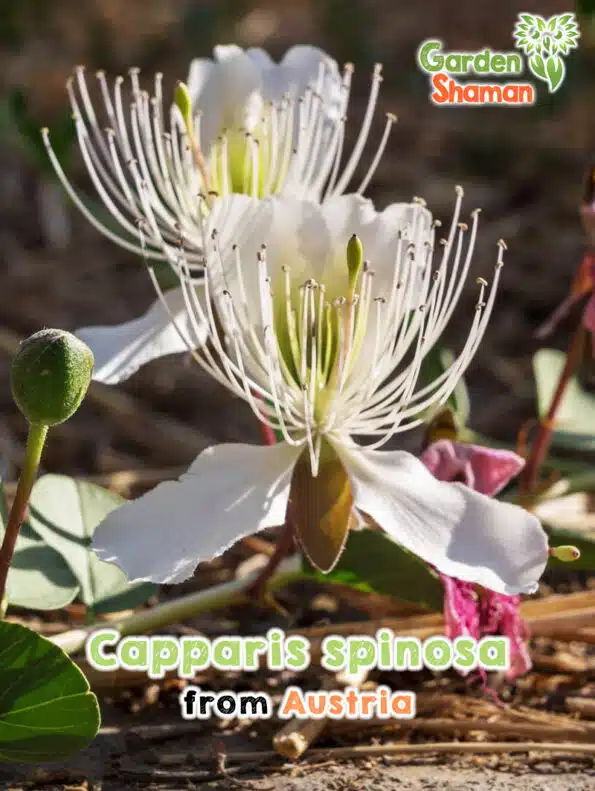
x=487, y=470
x=461, y=612
x=499, y=614
x=468, y=613
x=442, y=460
x=493, y=468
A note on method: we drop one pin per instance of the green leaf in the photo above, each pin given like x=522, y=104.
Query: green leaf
x=47, y=711
x=373, y=562
x=130, y=597
x=64, y=512
x=436, y=362
x=38, y=577
x=575, y=419
x=555, y=70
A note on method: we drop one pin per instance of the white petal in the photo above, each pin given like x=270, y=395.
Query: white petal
x=201, y=69
x=379, y=236
x=346, y=215
x=301, y=66
x=122, y=349
x=378, y=231
x=225, y=52
x=295, y=234
x=229, y=492
x=229, y=94
x=305, y=59
x=462, y=533
x=311, y=233
x=261, y=58
x=240, y=219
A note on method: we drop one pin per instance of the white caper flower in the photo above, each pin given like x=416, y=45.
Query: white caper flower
x=319, y=317
x=242, y=124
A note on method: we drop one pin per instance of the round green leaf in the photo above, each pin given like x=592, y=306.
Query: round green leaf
x=38, y=577
x=575, y=419
x=130, y=597
x=64, y=512
x=47, y=711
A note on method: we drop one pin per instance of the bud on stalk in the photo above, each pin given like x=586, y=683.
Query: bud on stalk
x=49, y=379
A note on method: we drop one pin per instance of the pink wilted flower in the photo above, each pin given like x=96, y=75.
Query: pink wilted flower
x=468, y=609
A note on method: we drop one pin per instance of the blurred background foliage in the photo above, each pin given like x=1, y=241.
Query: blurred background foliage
x=523, y=166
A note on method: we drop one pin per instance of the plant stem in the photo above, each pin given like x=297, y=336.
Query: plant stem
x=268, y=434
x=282, y=549
x=35, y=442
x=179, y=609
x=579, y=482
x=530, y=475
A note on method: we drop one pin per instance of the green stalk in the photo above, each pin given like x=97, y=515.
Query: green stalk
x=190, y=606
x=35, y=442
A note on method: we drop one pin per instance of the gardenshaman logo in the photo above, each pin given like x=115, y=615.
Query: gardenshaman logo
x=544, y=42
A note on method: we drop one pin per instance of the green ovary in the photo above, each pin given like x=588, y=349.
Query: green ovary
x=239, y=165
x=329, y=323
x=234, y=150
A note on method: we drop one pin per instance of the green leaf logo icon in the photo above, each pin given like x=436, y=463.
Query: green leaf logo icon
x=544, y=42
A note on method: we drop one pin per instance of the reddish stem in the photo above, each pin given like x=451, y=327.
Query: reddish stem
x=35, y=443
x=268, y=434
x=17, y=517
x=530, y=475
x=282, y=549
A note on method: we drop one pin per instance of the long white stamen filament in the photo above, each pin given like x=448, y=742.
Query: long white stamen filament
x=441, y=306
x=307, y=360
x=390, y=120
x=336, y=151
x=363, y=135
x=298, y=145
x=308, y=367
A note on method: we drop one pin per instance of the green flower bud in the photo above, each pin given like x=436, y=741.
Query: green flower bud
x=50, y=376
